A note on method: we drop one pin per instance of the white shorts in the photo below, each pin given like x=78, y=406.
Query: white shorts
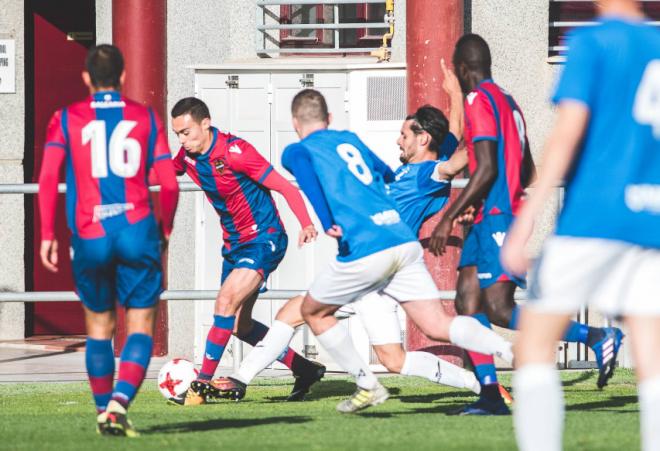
x=380, y=318
x=614, y=277
x=398, y=272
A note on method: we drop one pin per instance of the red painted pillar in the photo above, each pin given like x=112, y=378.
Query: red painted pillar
x=432, y=29
x=139, y=29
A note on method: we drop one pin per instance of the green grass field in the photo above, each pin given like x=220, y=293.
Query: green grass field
x=58, y=416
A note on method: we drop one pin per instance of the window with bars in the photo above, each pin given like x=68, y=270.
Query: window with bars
x=321, y=27
x=566, y=15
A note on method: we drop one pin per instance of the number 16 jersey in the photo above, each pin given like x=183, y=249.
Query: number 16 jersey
x=352, y=181
x=110, y=143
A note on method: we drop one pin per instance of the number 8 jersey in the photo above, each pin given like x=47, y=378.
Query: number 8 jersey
x=491, y=114
x=352, y=184
x=109, y=143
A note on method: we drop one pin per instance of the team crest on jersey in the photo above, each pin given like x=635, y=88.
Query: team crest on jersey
x=219, y=165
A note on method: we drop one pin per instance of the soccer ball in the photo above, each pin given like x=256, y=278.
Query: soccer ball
x=175, y=377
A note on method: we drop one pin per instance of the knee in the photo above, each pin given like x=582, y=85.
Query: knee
x=393, y=361
x=499, y=315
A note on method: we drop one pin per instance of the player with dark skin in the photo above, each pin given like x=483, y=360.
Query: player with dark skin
x=497, y=300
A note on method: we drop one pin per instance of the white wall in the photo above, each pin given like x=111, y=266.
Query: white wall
x=12, y=145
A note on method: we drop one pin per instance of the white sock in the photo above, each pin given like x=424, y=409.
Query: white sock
x=470, y=334
x=539, y=413
x=340, y=347
x=425, y=364
x=649, y=414
x=275, y=341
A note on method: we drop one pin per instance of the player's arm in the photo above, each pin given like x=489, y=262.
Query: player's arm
x=165, y=175
x=251, y=163
x=452, y=87
x=476, y=190
x=179, y=167
x=296, y=160
x=54, y=154
x=574, y=96
x=560, y=150
x=274, y=181
x=447, y=170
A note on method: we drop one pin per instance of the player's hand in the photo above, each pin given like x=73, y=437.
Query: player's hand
x=512, y=255
x=450, y=82
x=440, y=236
x=48, y=253
x=335, y=231
x=467, y=217
x=307, y=235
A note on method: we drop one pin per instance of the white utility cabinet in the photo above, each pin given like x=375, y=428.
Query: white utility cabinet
x=253, y=100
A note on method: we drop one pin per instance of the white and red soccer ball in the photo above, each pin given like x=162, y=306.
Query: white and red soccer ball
x=175, y=377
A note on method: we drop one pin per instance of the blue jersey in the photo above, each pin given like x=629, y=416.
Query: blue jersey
x=418, y=193
x=351, y=182
x=613, y=188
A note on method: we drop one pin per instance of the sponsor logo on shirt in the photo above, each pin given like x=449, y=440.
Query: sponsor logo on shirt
x=499, y=238
x=387, y=217
x=107, y=103
x=643, y=198
x=471, y=96
x=102, y=212
x=403, y=171
x=235, y=149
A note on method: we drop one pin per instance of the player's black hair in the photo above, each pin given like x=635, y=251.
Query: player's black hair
x=473, y=51
x=309, y=106
x=193, y=106
x=431, y=120
x=105, y=64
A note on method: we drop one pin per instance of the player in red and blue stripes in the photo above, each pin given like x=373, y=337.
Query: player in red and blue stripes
x=237, y=181
x=501, y=166
x=108, y=144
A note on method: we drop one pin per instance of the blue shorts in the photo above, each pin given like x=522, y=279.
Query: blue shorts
x=123, y=266
x=263, y=254
x=482, y=249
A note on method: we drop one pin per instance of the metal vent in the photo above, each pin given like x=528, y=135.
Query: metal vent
x=386, y=98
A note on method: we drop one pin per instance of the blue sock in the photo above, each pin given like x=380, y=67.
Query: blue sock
x=100, y=363
x=133, y=365
x=484, y=364
x=576, y=332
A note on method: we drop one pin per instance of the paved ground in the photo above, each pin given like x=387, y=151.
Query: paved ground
x=43, y=365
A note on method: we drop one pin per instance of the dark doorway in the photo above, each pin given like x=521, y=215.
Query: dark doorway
x=57, y=37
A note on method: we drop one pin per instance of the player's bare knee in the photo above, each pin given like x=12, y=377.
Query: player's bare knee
x=391, y=360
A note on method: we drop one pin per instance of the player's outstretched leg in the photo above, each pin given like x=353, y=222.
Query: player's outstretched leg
x=491, y=401
x=335, y=339
x=605, y=342
x=273, y=344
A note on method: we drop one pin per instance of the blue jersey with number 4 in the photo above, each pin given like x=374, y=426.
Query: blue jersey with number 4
x=351, y=181
x=613, y=188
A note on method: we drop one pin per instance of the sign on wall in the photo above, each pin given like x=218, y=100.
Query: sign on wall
x=7, y=65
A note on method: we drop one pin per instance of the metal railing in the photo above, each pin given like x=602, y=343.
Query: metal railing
x=263, y=27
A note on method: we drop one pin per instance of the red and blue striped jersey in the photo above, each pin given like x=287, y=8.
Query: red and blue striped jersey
x=231, y=174
x=492, y=114
x=110, y=143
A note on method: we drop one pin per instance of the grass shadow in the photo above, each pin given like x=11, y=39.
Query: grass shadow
x=330, y=388
x=458, y=396
x=221, y=423
x=607, y=405
x=582, y=376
